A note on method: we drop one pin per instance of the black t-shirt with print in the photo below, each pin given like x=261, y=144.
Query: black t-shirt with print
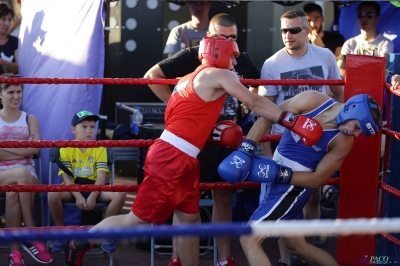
x=333, y=40
x=7, y=51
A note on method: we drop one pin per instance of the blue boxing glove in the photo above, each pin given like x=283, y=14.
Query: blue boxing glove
x=267, y=170
x=236, y=166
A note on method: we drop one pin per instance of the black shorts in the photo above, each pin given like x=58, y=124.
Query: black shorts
x=84, y=181
x=210, y=157
x=86, y=194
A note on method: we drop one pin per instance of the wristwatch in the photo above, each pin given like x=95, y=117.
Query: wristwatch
x=245, y=109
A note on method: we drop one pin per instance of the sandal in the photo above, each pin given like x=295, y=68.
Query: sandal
x=328, y=197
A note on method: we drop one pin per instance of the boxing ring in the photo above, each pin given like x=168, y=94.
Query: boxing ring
x=360, y=210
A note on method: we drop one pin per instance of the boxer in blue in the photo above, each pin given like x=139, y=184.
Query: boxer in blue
x=296, y=168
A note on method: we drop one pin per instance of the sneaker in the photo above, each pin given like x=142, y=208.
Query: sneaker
x=175, y=262
x=74, y=251
x=228, y=262
x=16, y=259
x=57, y=246
x=108, y=246
x=38, y=251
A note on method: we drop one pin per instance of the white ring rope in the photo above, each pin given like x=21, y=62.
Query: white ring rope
x=327, y=227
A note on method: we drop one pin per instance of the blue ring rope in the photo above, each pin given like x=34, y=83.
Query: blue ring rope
x=118, y=233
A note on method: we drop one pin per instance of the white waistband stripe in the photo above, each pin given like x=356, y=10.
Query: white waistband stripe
x=180, y=143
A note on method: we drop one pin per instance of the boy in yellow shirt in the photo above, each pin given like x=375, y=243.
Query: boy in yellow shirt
x=88, y=166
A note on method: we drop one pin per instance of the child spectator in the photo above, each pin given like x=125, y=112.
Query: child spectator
x=88, y=166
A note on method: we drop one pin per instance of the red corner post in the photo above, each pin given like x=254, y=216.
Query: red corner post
x=359, y=174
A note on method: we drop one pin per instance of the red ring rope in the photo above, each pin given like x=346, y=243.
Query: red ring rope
x=125, y=188
x=94, y=143
x=395, y=91
x=143, y=81
x=393, y=191
x=391, y=238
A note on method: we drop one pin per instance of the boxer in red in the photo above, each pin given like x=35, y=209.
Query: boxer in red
x=171, y=168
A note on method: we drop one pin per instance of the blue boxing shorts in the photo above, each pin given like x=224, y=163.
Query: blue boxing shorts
x=281, y=202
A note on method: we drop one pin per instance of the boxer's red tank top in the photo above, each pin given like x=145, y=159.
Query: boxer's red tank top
x=187, y=115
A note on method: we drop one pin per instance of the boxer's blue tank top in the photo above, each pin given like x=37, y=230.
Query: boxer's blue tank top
x=292, y=148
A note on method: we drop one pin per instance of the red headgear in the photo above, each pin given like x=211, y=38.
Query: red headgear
x=218, y=51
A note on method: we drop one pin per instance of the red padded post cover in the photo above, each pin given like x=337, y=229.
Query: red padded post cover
x=359, y=174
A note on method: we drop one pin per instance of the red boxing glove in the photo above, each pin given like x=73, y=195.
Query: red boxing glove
x=226, y=133
x=309, y=130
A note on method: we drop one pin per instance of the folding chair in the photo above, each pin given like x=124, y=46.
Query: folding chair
x=160, y=249
x=99, y=205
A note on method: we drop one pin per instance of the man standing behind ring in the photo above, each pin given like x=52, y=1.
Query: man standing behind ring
x=297, y=60
x=189, y=34
x=182, y=63
x=331, y=40
x=369, y=41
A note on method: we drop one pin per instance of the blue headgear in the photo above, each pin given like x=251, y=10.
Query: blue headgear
x=359, y=108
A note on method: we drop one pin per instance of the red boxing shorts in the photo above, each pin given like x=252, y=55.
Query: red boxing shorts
x=171, y=182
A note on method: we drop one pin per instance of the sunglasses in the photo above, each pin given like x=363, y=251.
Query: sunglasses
x=233, y=36
x=365, y=15
x=292, y=30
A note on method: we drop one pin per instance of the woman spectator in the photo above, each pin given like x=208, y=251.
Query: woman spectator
x=8, y=43
x=15, y=6
x=18, y=167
